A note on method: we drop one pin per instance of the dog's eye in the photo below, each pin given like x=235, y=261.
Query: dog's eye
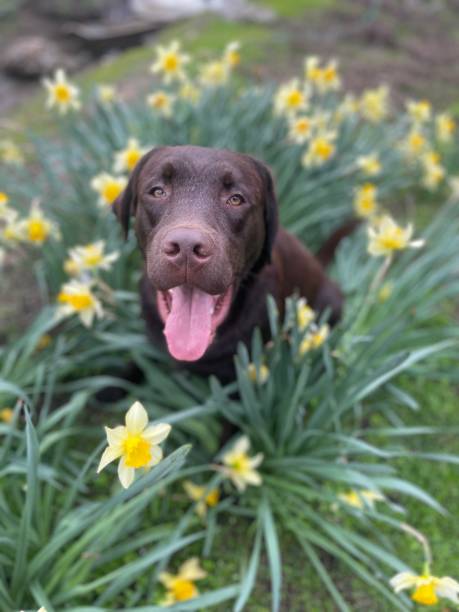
x=157, y=192
x=236, y=200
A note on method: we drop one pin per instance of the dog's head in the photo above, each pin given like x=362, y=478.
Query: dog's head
x=204, y=220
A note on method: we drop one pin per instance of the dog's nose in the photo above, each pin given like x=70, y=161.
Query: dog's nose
x=189, y=244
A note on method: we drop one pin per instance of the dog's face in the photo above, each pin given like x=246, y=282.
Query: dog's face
x=204, y=219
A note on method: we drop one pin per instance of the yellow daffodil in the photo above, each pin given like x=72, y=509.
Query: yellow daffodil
x=135, y=444
x=126, y=159
x=320, y=150
x=161, y=102
x=260, y=376
x=314, y=338
x=232, y=54
x=76, y=297
x=385, y=237
x=300, y=129
x=239, y=467
x=61, y=93
x=6, y=415
x=36, y=228
x=325, y=78
x=445, y=126
x=106, y=93
x=43, y=342
x=365, y=200
x=385, y=292
x=434, y=172
x=415, y=144
x=170, y=62
x=369, y=164
x=290, y=98
x=427, y=589
x=181, y=586
x=305, y=315
x=361, y=499
x=419, y=112
x=374, y=104
x=108, y=187
x=202, y=497
x=214, y=74
x=10, y=153
x=89, y=257
x=189, y=92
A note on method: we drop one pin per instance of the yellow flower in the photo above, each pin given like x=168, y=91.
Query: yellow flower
x=304, y=314
x=374, y=104
x=201, y=496
x=43, y=342
x=445, y=127
x=427, y=589
x=181, y=586
x=369, y=164
x=314, y=339
x=434, y=172
x=239, y=467
x=108, y=187
x=385, y=237
x=89, y=257
x=106, y=93
x=10, y=153
x=170, y=62
x=61, y=93
x=214, y=74
x=189, y=92
x=419, y=112
x=260, y=376
x=76, y=297
x=35, y=228
x=6, y=415
x=300, y=129
x=162, y=102
x=365, y=202
x=385, y=292
x=290, y=98
x=135, y=444
x=232, y=55
x=127, y=158
x=415, y=144
x=324, y=79
x=361, y=499
x=321, y=149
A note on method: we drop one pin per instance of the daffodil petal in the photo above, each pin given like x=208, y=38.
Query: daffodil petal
x=136, y=418
x=242, y=445
x=110, y=454
x=252, y=477
x=256, y=460
x=157, y=433
x=156, y=455
x=125, y=474
x=115, y=435
x=402, y=581
x=448, y=588
x=190, y=570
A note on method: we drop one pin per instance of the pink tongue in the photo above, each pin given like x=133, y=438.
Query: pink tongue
x=188, y=327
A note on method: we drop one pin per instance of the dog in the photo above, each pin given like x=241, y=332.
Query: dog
x=206, y=222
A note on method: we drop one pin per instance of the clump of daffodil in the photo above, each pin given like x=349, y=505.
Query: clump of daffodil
x=365, y=200
x=61, y=93
x=6, y=415
x=445, y=126
x=325, y=78
x=419, y=111
x=76, y=297
x=108, y=187
x=170, y=62
x=385, y=291
x=314, y=338
x=300, y=129
x=88, y=258
x=434, y=172
x=106, y=93
x=361, y=499
x=135, y=444
x=305, y=315
x=369, y=164
x=427, y=589
x=320, y=150
x=385, y=237
x=291, y=98
x=36, y=228
x=239, y=467
x=126, y=159
x=215, y=73
x=161, y=102
x=232, y=54
x=374, y=104
x=258, y=375
x=10, y=153
x=202, y=496
x=415, y=144
x=181, y=586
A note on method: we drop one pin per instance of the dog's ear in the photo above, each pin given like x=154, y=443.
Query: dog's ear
x=125, y=204
x=271, y=214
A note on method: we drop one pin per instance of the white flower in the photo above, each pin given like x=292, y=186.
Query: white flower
x=239, y=467
x=170, y=62
x=89, y=257
x=76, y=297
x=126, y=159
x=427, y=588
x=61, y=93
x=385, y=237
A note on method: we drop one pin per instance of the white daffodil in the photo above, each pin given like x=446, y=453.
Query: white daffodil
x=61, y=93
x=76, y=297
x=385, y=237
x=427, y=589
x=89, y=257
x=239, y=467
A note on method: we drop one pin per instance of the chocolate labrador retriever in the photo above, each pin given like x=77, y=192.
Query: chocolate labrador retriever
x=206, y=221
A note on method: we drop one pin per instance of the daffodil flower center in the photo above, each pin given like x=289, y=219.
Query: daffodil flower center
x=136, y=451
x=111, y=191
x=132, y=157
x=240, y=463
x=323, y=148
x=93, y=257
x=183, y=589
x=171, y=63
x=62, y=93
x=37, y=230
x=393, y=241
x=78, y=301
x=295, y=98
x=425, y=594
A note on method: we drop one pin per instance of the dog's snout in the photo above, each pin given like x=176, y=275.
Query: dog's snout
x=181, y=244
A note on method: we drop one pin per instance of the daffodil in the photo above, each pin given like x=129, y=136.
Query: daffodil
x=445, y=126
x=239, y=467
x=291, y=98
x=161, y=102
x=347, y=108
x=361, y=499
x=61, y=93
x=258, y=375
x=214, y=74
x=365, y=200
x=419, y=111
x=189, y=92
x=427, y=589
x=202, y=497
x=374, y=104
x=386, y=237
x=415, y=144
x=434, y=172
x=6, y=415
x=320, y=150
x=76, y=297
x=36, y=228
x=10, y=153
x=135, y=444
x=232, y=54
x=126, y=159
x=369, y=164
x=106, y=93
x=305, y=315
x=181, y=586
x=170, y=62
x=108, y=187
x=300, y=129
x=314, y=338
x=324, y=78
x=89, y=257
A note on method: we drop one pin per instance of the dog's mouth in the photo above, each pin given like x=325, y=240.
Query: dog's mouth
x=191, y=317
